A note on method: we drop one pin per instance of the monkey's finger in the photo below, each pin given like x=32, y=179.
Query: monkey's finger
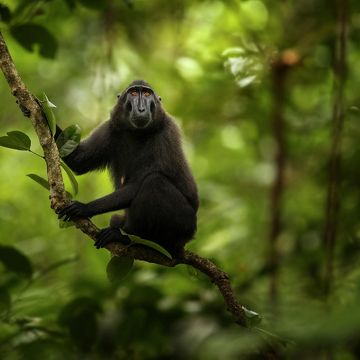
x=100, y=235
x=65, y=210
x=62, y=215
x=71, y=216
x=71, y=212
x=106, y=239
x=100, y=238
x=67, y=217
x=103, y=241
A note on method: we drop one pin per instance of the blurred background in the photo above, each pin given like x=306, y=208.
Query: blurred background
x=266, y=94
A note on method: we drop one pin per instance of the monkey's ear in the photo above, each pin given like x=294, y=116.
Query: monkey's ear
x=160, y=98
x=118, y=95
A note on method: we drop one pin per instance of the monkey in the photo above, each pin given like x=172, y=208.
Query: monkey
x=141, y=147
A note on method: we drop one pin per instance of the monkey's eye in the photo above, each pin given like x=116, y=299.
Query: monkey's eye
x=134, y=92
x=147, y=93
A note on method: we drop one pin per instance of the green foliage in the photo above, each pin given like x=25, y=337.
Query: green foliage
x=30, y=34
x=211, y=61
x=118, y=268
x=71, y=4
x=65, y=224
x=138, y=240
x=16, y=261
x=272, y=337
x=71, y=176
x=47, y=105
x=45, y=184
x=16, y=140
x=75, y=308
x=68, y=140
x=79, y=317
x=253, y=319
x=5, y=300
x=196, y=273
x=41, y=181
x=5, y=14
x=98, y=5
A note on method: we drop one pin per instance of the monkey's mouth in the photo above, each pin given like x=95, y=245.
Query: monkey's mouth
x=141, y=122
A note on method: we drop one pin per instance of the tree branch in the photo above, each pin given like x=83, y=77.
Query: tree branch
x=59, y=198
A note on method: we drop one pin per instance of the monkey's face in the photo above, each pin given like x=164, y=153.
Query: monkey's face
x=140, y=106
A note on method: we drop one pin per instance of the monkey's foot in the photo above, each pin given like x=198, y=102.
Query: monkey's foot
x=109, y=235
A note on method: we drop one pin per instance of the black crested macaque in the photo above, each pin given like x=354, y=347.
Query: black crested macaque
x=141, y=146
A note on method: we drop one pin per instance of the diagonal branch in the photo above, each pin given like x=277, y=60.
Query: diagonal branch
x=59, y=198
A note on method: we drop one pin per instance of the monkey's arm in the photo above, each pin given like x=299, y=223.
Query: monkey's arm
x=119, y=199
x=92, y=152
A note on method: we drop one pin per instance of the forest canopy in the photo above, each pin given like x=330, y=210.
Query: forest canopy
x=266, y=95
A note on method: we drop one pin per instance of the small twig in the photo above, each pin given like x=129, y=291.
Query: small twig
x=43, y=157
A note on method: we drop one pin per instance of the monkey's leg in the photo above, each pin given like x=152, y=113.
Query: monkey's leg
x=117, y=221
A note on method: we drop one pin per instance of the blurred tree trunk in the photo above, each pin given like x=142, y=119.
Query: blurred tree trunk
x=332, y=203
x=278, y=125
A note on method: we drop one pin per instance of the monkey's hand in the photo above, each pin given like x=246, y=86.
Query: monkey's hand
x=109, y=235
x=26, y=112
x=75, y=209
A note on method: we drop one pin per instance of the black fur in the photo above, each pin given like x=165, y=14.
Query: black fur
x=141, y=146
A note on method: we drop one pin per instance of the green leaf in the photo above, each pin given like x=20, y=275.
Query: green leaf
x=72, y=179
x=41, y=181
x=196, y=273
x=5, y=13
x=5, y=301
x=7, y=142
x=268, y=335
x=75, y=307
x=138, y=240
x=21, y=5
x=252, y=318
x=14, y=260
x=16, y=140
x=20, y=138
x=47, y=105
x=79, y=316
x=98, y=5
x=68, y=140
x=71, y=4
x=8, y=331
x=131, y=237
x=84, y=330
x=129, y=3
x=44, y=183
x=65, y=224
x=118, y=268
x=28, y=35
x=150, y=244
x=53, y=267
